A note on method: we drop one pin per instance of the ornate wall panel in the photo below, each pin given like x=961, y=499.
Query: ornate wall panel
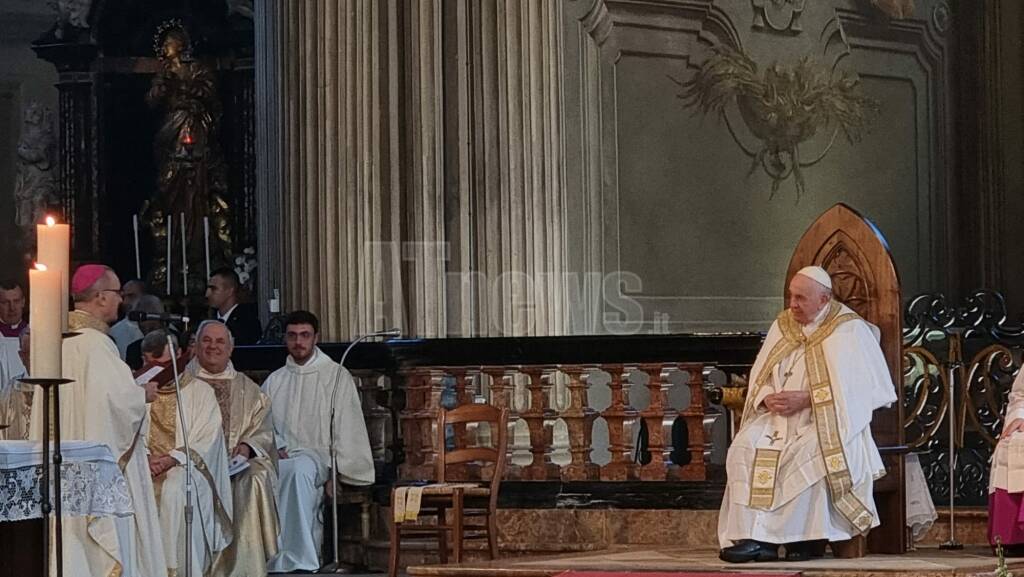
x=674, y=219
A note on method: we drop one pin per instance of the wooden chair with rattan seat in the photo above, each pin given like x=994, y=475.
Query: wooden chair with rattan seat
x=458, y=500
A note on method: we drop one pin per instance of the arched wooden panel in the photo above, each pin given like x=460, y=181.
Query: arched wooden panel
x=856, y=255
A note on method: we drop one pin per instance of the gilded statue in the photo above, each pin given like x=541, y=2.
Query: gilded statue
x=192, y=176
x=35, y=186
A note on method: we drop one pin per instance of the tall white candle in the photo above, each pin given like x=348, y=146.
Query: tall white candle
x=54, y=242
x=206, y=240
x=138, y=257
x=44, y=318
x=184, y=256
x=170, y=235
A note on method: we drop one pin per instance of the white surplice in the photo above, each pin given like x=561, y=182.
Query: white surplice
x=9, y=357
x=802, y=509
x=104, y=404
x=211, y=493
x=301, y=399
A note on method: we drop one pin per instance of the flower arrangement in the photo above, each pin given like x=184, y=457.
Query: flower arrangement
x=245, y=268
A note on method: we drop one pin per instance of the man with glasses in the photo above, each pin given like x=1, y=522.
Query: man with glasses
x=302, y=394
x=12, y=324
x=102, y=403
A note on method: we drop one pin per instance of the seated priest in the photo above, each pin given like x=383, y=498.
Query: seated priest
x=306, y=393
x=1006, y=481
x=16, y=396
x=803, y=464
x=248, y=430
x=208, y=460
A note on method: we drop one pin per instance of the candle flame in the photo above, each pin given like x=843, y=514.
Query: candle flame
x=50, y=221
x=40, y=266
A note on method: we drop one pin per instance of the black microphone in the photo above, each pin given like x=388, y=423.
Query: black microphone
x=139, y=316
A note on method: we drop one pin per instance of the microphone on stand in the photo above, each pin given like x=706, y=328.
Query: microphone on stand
x=188, y=451
x=140, y=316
x=335, y=567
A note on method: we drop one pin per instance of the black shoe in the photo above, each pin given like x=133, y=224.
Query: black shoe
x=804, y=550
x=749, y=550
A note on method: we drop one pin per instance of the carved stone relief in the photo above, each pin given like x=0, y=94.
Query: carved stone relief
x=35, y=186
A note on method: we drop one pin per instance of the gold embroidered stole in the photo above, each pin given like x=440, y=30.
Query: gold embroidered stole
x=826, y=421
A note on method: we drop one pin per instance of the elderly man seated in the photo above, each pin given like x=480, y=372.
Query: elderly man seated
x=802, y=466
x=248, y=429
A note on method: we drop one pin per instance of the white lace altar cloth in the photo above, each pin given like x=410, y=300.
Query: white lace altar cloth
x=91, y=481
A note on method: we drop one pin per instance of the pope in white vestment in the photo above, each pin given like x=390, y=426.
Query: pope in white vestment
x=803, y=463
x=301, y=393
x=211, y=498
x=104, y=404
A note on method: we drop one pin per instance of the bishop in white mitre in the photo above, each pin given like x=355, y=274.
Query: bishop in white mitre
x=103, y=403
x=207, y=458
x=304, y=394
x=803, y=464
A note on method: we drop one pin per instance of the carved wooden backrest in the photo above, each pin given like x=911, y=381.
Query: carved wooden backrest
x=856, y=255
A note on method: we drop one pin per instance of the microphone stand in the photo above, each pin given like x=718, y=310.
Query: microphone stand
x=335, y=566
x=188, y=459
x=954, y=363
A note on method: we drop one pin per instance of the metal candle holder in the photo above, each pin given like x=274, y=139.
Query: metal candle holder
x=49, y=387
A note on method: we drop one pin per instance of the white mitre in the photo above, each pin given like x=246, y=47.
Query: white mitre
x=817, y=274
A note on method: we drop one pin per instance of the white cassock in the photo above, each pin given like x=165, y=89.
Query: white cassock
x=125, y=332
x=104, y=404
x=9, y=348
x=211, y=493
x=784, y=485
x=301, y=396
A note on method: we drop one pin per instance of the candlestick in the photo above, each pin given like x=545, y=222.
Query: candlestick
x=170, y=234
x=138, y=257
x=206, y=240
x=184, y=256
x=54, y=242
x=44, y=317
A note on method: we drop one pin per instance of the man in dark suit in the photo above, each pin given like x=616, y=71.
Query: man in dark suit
x=241, y=319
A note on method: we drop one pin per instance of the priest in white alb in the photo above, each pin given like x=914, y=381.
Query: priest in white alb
x=305, y=394
x=103, y=403
x=802, y=466
x=249, y=435
x=16, y=396
x=207, y=457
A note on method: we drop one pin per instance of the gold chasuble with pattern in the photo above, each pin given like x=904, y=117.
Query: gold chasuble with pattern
x=809, y=475
x=245, y=412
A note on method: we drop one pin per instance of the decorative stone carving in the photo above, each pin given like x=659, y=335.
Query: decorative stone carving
x=35, y=186
x=73, y=13
x=243, y=8
x=778, y=15
x=895, y=8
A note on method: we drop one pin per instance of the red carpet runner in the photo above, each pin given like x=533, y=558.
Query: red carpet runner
x=683, y=574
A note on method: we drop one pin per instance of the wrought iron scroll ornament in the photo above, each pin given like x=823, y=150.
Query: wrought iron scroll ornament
x=976, y=345
x=783, y=107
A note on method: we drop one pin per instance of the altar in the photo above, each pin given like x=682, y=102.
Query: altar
x=91, y=483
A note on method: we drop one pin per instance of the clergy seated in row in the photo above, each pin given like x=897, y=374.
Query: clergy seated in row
x=12, y=324
x=1006, y=479
x=305, y=394
x=207, y=460
x=803, y=464
x=16, y=396
x=249, y=436
x=103, y=404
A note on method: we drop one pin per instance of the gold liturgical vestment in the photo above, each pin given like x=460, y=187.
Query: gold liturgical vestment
x=245, y=411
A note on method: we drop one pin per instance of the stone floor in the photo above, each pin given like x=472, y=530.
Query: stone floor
x=925, y=562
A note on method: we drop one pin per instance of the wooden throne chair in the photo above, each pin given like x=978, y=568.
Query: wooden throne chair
x=856, y=255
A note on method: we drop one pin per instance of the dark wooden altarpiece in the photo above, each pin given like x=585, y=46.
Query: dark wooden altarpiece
x=107, y=130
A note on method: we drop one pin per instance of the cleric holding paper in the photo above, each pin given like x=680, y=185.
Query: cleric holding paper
x=803, y=464
x=303, y=393
x=103, y=403
x=212, y=504
x=249, y=433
